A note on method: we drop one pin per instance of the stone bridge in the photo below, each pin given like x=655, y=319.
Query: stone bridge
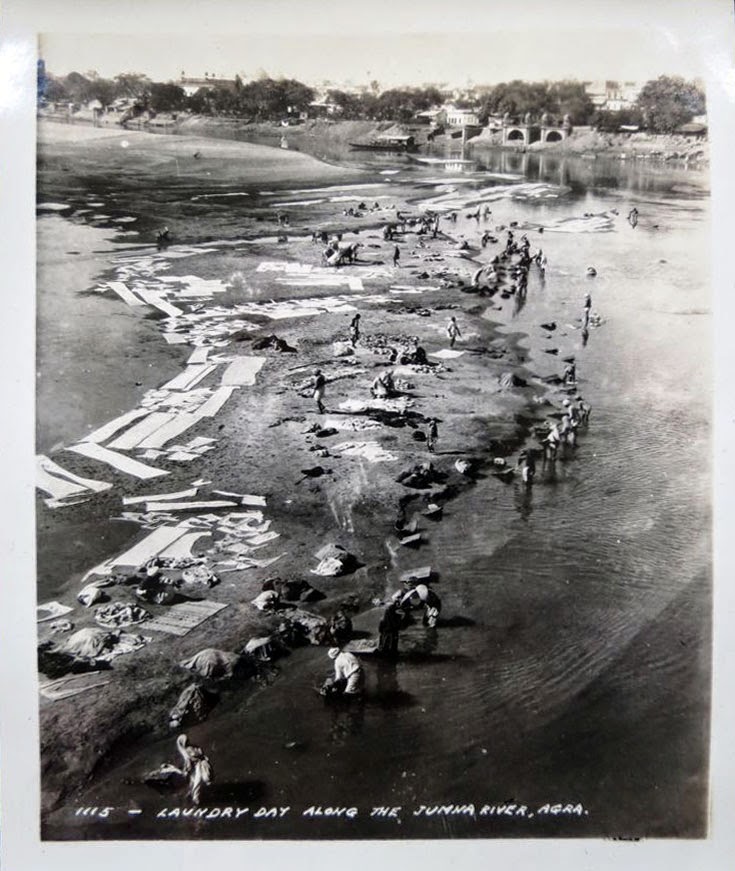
x=528, y=131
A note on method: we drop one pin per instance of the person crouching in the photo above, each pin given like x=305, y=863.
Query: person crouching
x=348, y=677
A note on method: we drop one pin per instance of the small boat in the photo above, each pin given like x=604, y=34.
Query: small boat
x=434, y=511
x=396, y=142
x=411, y=540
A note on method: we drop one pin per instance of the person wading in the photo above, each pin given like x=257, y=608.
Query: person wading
x=197, y=767
x=388, y=628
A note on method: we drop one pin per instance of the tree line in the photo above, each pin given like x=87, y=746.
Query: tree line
x=662, y=105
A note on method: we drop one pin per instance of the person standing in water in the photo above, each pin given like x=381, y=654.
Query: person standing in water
x=388, y=628
x=551, y=443
x=396, y=255
x=196, y=768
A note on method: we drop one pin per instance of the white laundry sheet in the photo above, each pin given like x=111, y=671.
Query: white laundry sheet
x=242, y=371
x=157, y=300
x=60, y=484
x=446, y=354
x=116, y=460
x=160, y=497
x=144, y=550
x=371, y=451
x=127, y=295
x=141, y=431
x=189, y=506
x=109, y=429
x=190, y=377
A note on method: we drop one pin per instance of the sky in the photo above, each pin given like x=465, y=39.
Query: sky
x=456, y=43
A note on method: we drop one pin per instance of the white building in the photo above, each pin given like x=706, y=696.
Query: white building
x=191, y=84
x=461, y=117
x=613, y=96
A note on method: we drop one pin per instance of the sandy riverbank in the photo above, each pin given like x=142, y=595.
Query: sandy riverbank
x=262, y=439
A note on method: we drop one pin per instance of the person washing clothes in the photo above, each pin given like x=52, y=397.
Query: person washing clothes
x=348, y=675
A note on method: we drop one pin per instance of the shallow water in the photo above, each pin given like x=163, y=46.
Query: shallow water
x=575, y=666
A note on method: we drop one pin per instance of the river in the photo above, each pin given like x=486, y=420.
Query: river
x=576, y=666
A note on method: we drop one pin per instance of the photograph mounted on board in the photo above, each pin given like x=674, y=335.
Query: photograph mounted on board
x=373, y=433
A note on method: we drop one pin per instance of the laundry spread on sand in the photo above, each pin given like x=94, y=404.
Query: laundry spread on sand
x=189, y=506
x=371, y=451
x=62, y=485
x=157, y=300
x=141, y=431
x=72, y=685
x=182, y=618
x=124, y=293
x=242, y=371
x=400, y=405
x=182, y=548
x=199, y=355
x=116, y=460
x=109, y=429
x=446, y=354
x=351, y=281
x=351, y=424
x=245, y=498
x=141, y=552
x=101, y=645
x=51, y=611
x=160, y=497
x=190, y=377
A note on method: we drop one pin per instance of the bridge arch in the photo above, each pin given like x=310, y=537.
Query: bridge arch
x=515, y=135
x=554, y=136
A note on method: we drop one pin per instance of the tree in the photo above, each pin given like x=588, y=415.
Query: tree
x=611, y=122
x=133, y=86
x=570, y=98
x=77, y=87
x=402, y=104
x=350, y=105
x=166, y=97
x=556, y=98
x=103, y=90
x=668, y=102
x=55, y=91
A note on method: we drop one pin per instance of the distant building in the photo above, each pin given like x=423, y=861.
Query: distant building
x=324, y=108
x=190, y=85
x=461, y=117
x=613, y=96
x=433, y=117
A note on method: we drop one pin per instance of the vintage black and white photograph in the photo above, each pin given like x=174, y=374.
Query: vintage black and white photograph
x=374, y=426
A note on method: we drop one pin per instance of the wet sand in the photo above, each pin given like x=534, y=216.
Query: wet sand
x=261, y=448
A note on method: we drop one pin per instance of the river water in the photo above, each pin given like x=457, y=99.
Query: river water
x=575, y=664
